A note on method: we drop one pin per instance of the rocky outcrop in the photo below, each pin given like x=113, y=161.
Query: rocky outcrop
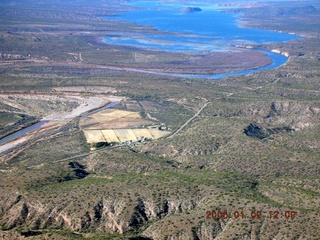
x=165, y=219
x=111, y=215
x=78, y=172
x=139, y=216
x=207, y=231
x=295, y=114
x=204, y=230
x=259, y=132
x=17, y=211
x=107, y=216
x=286, y=54
x=255, y=131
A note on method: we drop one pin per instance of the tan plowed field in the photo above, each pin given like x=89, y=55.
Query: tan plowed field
x=109, y=136
x=122, y=135
x=113, y=119
x=94, y=136
x=118, y=126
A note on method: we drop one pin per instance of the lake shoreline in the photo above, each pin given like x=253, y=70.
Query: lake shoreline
x=276, y=60
x=223, y=52
x=218, y=62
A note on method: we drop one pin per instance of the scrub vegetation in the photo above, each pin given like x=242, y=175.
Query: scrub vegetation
x=240, y=144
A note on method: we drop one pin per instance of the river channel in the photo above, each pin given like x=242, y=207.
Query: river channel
x=208, y=30
x=38, y=125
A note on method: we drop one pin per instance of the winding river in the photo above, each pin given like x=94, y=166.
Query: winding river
x=277, y=61
x=208, y=30
x=211, y=29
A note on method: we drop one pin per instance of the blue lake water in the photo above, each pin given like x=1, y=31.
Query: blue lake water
x=208, y=30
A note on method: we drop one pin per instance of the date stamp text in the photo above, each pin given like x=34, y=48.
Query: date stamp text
x=253, y=214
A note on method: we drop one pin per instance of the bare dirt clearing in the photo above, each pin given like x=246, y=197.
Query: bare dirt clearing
x=118, y=126
x=113, y=119
x=123, y=135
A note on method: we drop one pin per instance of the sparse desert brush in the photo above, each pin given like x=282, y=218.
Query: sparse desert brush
x=168, y=184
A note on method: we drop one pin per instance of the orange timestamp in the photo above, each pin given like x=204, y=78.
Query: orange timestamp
x=253, y=214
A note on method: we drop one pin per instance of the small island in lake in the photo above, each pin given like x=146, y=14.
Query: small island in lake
x=191, y=9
